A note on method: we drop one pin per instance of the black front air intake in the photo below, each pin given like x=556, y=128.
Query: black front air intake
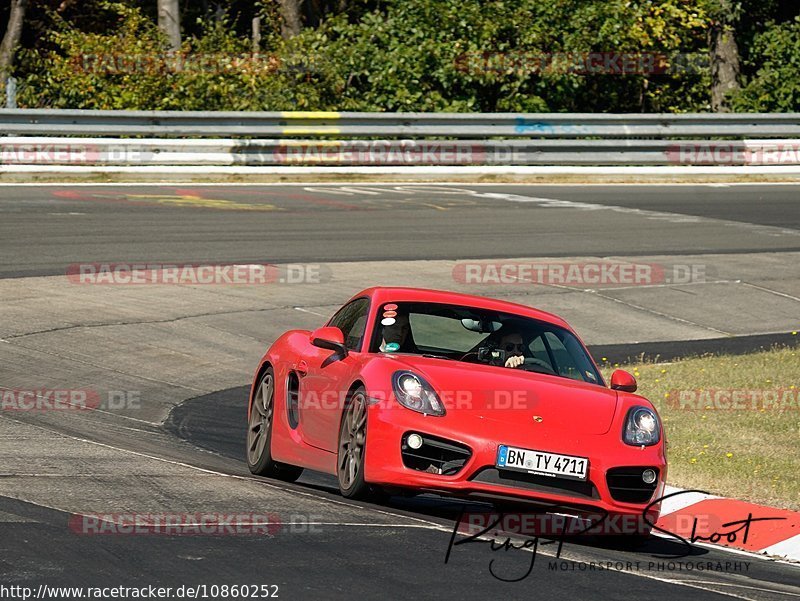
x=435, y=456
x=627, y=486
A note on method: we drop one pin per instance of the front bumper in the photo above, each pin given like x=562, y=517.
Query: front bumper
x=479, y=478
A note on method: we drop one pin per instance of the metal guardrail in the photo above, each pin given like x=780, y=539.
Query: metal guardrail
x=276, y=152
x=395, y=125
x=77, y=137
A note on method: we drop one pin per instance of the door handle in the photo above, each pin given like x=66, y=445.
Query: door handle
x=301, y=368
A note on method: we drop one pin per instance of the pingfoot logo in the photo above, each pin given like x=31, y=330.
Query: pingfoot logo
x=55, y=399
x=195, y=274
x=735, y=399
x=403, y=152
x=597, y=273
x=29, y=153
x=175, y=524
x=551, y=525
x=735, y=153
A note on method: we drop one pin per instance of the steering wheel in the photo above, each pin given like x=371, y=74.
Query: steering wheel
x=533, y=362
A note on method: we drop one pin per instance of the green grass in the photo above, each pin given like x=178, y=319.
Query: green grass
x=747, y=453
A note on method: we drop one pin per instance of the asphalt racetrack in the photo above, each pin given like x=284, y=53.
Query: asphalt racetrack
x=172, y=364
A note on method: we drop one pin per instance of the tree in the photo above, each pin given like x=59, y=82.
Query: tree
x=292, y=23
x=169, y=20
x=725, y=64
x=775, y=84
x=11, y=40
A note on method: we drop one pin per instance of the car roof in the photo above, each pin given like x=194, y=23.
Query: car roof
x=384, y=294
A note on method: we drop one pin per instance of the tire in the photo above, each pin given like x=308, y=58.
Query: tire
x=352, y=448
x=259, y=434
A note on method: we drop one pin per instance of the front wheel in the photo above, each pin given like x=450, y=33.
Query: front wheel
x=352, y=447
x=259, y=434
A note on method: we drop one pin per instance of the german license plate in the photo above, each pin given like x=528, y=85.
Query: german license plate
x=542, y=463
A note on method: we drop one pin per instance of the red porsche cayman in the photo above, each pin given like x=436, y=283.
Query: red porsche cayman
x=455, y=394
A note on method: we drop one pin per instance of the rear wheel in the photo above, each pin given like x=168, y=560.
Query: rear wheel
x=259, y=434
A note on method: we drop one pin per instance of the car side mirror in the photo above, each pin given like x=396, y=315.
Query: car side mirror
x=330, y=338
x=622, y=380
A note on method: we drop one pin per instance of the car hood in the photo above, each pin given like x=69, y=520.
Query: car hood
x=512, y=395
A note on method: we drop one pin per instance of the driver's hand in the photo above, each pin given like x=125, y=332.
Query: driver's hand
x=515, y=361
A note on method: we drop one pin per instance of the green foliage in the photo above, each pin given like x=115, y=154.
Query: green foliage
x=775, y=58
x=408, y=55
x=129, y=67
x=96, y=70
x=428, y=55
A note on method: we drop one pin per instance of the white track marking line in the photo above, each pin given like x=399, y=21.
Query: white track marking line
x=327, y=185
x=409, y=170
x=775, y=292
x=329, y=191
x=302, y=310
x=217, y=473
x=681, y=501
x=672, y=285
x=373, y=191
x=679, y=218
x=752, y=588
x=660, y=314
x=432, y=189
x=790, y=546
x=358, y=190
x=80, y=408
x=357, y=524
x=733, y=550
x=103, y=515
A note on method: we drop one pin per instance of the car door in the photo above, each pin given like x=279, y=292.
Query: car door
x=324, y=386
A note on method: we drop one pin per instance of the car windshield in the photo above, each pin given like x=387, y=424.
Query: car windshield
x=477, y=335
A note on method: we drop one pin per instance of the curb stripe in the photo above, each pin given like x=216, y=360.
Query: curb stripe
x=788, y=548
x=679, y=502
x=707, y=514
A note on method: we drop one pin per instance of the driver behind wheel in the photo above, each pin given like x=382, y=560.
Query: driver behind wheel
x=514, y=346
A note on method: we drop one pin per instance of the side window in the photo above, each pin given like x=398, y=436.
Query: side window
x=566, y=362
x=539, y=351
x=352, y=321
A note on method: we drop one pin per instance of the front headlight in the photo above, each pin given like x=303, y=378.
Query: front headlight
x=413, y=392
x=641, y=427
